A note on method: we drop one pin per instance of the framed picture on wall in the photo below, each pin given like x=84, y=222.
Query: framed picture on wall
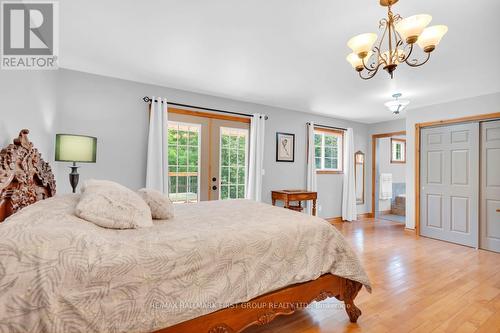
x=285, y=147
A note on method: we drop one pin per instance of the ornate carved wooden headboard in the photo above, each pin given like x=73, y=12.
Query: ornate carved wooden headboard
x=25, y=177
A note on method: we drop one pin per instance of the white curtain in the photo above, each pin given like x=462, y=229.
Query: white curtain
x=348, y=187
x=311, y=164
x=157, y=159
x=256, y=158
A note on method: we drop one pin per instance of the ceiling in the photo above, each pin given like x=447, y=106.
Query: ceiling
x=285, y=53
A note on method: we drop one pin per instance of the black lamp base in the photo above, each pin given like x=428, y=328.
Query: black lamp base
x=74, y=177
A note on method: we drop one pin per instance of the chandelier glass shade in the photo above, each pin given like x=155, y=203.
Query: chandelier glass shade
x=397, y=105
x=399, y=35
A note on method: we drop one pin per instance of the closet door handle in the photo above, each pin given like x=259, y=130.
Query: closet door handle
x=214, y=187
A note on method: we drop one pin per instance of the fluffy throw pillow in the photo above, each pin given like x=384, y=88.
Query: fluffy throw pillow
x=111, y=205
x=161, y=206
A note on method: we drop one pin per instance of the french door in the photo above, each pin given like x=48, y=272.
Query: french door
x=229, y=159
x=208, y=157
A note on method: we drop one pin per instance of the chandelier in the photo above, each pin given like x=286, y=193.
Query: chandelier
x=397, y=105
x=401, y=35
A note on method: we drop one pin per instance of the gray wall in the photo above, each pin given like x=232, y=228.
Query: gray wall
x=395, y=125
x=28, y=100
x=281, y=175
x=112, y=110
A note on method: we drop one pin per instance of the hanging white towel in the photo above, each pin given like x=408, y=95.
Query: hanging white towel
x=385, y=186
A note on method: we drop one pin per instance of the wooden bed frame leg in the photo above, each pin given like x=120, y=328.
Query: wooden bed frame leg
x=350, y=292
x=352, y=311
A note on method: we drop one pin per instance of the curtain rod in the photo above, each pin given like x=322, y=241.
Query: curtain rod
x=330, y=127
x=147, y=100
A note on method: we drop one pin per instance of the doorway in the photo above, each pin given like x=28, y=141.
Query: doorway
x=208, y=156
x=389, y=176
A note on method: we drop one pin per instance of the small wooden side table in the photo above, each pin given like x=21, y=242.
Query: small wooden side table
x=288, y=196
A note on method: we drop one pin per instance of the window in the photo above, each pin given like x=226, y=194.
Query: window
x=183, y=161
x=233, y=163
x=328, y=150
x=398, y=150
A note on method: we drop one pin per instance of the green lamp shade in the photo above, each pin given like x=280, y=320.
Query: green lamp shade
x=76, y=148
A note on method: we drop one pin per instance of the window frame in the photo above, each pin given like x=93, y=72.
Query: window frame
x=328, y=131
x=403, y=142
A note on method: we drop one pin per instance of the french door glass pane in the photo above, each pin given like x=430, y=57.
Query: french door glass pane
x=183, y=160
x=317, y=140
x=318, y=162
x=233, y=158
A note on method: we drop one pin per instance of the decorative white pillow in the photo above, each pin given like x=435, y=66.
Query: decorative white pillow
x=161, y=206
x=111, y=205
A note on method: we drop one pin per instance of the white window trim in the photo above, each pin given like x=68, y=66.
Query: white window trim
x=394, y=143
x=340, y=151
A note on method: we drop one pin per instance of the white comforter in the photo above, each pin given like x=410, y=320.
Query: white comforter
x=59, y=273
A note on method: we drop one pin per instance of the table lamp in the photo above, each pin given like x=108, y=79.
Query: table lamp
x=75, y=148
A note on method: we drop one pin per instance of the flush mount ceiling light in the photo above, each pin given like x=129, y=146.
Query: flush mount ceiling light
x=401, y=35
x=397, y=105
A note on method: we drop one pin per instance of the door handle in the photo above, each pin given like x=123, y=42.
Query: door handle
x=214, y=187
x=214, y=179
x=498, y=210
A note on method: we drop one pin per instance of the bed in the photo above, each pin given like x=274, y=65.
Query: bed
x=216, y=267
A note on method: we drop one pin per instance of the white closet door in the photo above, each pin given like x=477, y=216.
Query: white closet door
x=490, y=186
x=449, y=176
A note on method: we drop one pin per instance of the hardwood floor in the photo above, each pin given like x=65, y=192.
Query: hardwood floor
x=419, y=285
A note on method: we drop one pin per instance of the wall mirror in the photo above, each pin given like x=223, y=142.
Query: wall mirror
x=359, y=176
